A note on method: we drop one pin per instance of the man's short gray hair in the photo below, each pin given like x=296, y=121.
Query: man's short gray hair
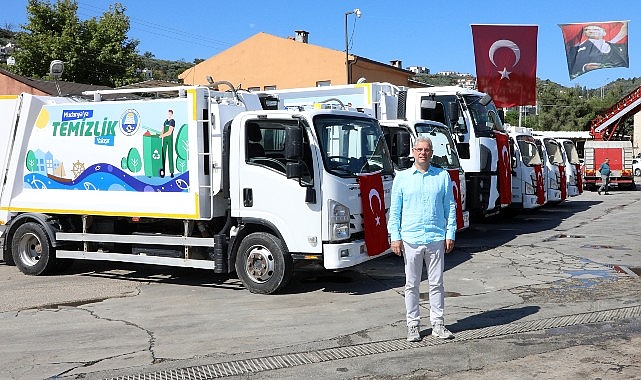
x=423, y=139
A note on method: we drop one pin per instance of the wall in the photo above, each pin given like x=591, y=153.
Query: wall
x=10, y=86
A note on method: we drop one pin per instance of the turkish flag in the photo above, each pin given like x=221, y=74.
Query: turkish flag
x=540, y=186
x=456, y=187
x=504, y=168
x=579, y=178
x=505, y=57
x=374, y=221
x=564, y=186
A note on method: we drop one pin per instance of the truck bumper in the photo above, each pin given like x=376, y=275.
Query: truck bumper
x=573, y=191
x=554, y=195
x=345, y=255
x=529, y=201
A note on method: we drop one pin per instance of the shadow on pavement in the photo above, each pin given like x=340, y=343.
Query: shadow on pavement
x=493, y=318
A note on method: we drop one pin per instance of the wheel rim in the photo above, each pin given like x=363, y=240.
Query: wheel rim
x=260, y=264
x=30, y=249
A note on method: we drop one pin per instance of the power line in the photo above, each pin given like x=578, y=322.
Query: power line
x=163, y=31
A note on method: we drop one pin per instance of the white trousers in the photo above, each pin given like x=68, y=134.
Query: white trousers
x=414, y=255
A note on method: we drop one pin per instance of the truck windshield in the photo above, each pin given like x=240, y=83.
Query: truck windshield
x=571, y=152
x=444, y=154
x=352, y=145
x=553, y=148
x=529, y=152
x=485, y=118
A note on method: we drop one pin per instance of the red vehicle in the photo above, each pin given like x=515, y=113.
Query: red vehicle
x=620, y=155
x=609, y=142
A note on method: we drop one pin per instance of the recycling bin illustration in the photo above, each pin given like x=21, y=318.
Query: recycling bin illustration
x=152, y=155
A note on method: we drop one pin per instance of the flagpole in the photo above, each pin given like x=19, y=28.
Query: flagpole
x=520, y=115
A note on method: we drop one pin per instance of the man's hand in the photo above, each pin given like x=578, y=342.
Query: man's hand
x=449, y=245
x=397, y=247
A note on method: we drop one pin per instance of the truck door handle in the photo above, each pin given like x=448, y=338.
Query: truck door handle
x=248, y=197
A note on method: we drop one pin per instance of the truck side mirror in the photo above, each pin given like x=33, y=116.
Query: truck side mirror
x=404, y=162
x=402, y=147
x=455, y=120
x=485, y=100
x=293, y=170
x=293, y=143
x=428, y=104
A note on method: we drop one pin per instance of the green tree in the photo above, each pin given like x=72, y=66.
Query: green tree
x=31, y=161
x=182, y=148
x=134, y=162
x=95, y=51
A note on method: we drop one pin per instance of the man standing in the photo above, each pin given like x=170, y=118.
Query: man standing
x=604, y=169
x=167, y=137
x=422, y=226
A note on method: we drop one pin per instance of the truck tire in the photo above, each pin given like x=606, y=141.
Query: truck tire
x=263, y=263
x=31, y=249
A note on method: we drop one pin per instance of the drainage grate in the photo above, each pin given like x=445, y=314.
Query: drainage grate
x=255, y=365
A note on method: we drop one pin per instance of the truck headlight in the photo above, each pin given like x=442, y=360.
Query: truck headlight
x=338, y=221
x=529, y=189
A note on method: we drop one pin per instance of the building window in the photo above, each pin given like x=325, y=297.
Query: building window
x=254, y=88
x=267, y=88
x=323, y=83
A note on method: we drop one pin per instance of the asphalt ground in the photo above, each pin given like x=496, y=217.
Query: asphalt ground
x=549, y=293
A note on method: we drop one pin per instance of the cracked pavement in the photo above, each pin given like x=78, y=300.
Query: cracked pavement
x=101, y=320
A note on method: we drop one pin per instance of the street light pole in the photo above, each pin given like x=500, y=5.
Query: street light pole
x=357, y=12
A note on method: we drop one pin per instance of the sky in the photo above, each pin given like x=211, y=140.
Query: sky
x=433, y=34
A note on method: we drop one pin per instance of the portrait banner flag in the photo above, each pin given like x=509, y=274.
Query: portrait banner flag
x=505, y=57
x=564, y=185
x=504, y=168
x=456, y=187
x=540, y=185
x=374, y=220
x=595, y=45
x=579, y=178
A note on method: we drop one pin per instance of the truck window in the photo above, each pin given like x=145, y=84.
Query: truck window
x=266, y=140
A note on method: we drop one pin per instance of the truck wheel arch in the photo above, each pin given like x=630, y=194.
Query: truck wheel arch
x=263, y=263
x=43, y=219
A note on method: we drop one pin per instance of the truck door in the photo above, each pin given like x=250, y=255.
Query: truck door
x=267, y=195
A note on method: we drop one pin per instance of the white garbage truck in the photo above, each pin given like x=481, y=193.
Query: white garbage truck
x=528, y=183
x=381, y=100
x=554, y=173
x=195, y=178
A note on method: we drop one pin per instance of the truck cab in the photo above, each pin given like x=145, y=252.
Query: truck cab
x=444, y=156
x=528, y=189
x=482, y=143
x=553, y=168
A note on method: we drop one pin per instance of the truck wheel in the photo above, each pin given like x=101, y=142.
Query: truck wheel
x=32, y=252
x=263, y=263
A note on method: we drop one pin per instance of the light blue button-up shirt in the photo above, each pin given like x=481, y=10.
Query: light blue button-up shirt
x=423, y=209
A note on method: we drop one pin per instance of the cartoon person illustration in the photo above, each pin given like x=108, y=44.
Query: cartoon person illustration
x=167, y=137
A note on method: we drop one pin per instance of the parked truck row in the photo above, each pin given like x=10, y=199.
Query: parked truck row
x=235, y=181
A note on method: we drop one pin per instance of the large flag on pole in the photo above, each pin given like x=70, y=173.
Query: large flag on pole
x=595, y=45
x=505, y=57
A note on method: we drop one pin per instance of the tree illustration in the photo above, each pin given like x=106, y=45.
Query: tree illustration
x=134, y=161
x=182, y=149
x=31, y=161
